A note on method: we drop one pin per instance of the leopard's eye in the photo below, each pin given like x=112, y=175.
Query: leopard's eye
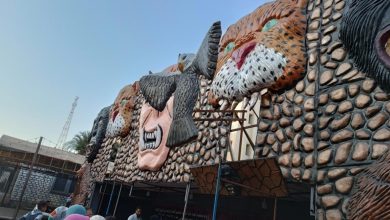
x=229, y=47
x=270, y=24
x=123, y=102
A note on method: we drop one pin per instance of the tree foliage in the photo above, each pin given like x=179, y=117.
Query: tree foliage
x=79, y=142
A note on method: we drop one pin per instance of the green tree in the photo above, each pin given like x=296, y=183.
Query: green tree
x=79, y=142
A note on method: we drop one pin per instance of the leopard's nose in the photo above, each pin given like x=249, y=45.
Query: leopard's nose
x=240, y=54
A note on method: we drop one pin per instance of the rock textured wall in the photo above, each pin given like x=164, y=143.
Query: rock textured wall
x=209, y=148
x=333, y=123
x=42, y=181
x=325, y=130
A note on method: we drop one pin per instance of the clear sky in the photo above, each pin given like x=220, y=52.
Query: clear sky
x=52, y=51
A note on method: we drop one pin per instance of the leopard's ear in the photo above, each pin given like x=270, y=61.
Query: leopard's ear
x=298, y=3
x=301, y=3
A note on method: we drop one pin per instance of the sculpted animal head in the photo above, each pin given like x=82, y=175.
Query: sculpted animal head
x=122, y=111
x=265, y=49
x=170, y=97
x=365, y=32
x=98, y=133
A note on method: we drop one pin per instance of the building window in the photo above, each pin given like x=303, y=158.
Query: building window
x=64, y=184
x=248, y=149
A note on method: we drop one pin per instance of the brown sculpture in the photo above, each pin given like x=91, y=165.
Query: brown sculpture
x=121, y=111
x=265, y=49
x=370, y=196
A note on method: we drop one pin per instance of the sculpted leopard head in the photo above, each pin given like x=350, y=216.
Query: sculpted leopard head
x=265, y=49
x=122, y=111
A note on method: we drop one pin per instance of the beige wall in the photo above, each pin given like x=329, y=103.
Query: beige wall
x=246, y=148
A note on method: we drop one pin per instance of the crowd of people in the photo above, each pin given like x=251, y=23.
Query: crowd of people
x=73, y=212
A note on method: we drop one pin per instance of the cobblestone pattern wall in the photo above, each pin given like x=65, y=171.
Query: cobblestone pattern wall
x=209, y=148
x=38, y=188
x=333, y=123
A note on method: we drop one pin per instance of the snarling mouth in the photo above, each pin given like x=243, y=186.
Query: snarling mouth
x=261, y=68
x=150, y=139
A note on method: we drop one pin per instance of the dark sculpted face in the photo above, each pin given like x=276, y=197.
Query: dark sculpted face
x=365, y=32
x=265, y=49
x=98, y=133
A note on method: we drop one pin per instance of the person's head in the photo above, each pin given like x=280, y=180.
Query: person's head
x=42, y=205
x=138, y=211
x=89, y=212
x=76, y=217
x=110, y=218
x=97, y=217
x=76, y=209
x=59, y=213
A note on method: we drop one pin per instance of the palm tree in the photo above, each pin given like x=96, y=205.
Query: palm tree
x=79, y=142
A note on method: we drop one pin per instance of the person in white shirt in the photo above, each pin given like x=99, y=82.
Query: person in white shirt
x=136, y=215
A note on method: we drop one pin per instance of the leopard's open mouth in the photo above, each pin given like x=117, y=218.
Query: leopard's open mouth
x=150, y=140
x=244, y=76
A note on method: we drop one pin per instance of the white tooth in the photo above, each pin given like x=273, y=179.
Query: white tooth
x=225, y=105
x=244, y=103
x=153, y=135
x=253, y=100
x=153, y=145
x=220, y=102
x=158, y=136
x=142, y=140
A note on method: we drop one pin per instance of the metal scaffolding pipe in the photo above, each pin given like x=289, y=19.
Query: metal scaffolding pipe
x=117, y=200
x=109, y=201
x=275, y=207
x=102, y=197
x=186, y=199
x=217, y=189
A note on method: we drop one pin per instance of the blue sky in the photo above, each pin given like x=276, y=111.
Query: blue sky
x=52, y=51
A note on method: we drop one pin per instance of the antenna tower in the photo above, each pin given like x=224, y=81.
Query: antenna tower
x=65, y=129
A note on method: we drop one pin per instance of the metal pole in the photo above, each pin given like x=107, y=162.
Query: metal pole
x=275, y=207
x=28, y=177
x=241, y=134
x=117, y=200
x=186, y=199
x=131, y=190
x=217, y=188
x=102, y=198
x=109, y=201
